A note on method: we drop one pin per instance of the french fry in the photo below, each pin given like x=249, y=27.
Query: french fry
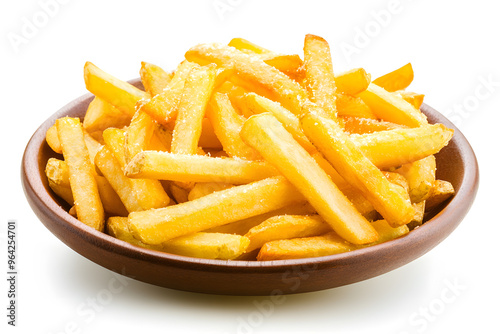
x=180, y=194
x=441, y=190
x=154, y=78
x=286, y=227
x=88, y=204
x=418, y=218
x=392, y=148
x=191, y=110
x=93, y=146
x=396, y=80
x=353, y=106
x=161, y=140
x=227, y=125
x=219, y=208
x=138, y=134
x=243, y=44
x=357, y=169
x=101, y=115
x=242, y=227
x=163, y=106
x=206, y=188
x=319, y=74
x=414, y=99
x=391, y=107
x=53, y=140
x=111, y=202
x=259, y=104
x=149, y=193
x=118, y=93
x=57, y=173
x=361, y=125
x=118, y=227
x=197, y=168
x=352, y=82
x=208, y=138
x=254, y=71
x=266, y=134
x=112, y=171
x=420, y=175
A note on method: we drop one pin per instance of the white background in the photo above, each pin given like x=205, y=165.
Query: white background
x=454, y=49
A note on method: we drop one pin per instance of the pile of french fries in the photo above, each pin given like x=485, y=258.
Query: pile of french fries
x=243, y=153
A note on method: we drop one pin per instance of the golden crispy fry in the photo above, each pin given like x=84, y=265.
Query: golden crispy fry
x=387, y=232
x=88, y=203
x=396, y=80
x=291, y=65
x=138, y=134
x=259, y=104
x=357, y=169
x=319, y=74
x=242, y=227
x=243, y=44
x=180, y=194
x=197, y=168
x=206, y=188
x=254, y=71
x=118, y=93
x=440, y=192
x=395, y=147
x=391, y=107
x=361, y=125
x=286, y=227
x=118, y=227
x=57, y=172
x=163, y=106
x=219, y=208
x=227, y=125
x=112, y=171
x=418, y=218
x=53, y=140
x=352, y=82
x=420, y=175
x=101, y=115
x=266, y=134
x=353, y=106
x=93, y=146
x=298, y=248
x=154, y=78
x=110, y=200
x=413, y=98
x=149, y=193
x=191, y=110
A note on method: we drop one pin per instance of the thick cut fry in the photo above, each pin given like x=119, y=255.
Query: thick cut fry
x=110, y=200
x=200, y=245
x=352, y=82
x=197, y=168
x=291, y=65
x=227, y=125
x=242, y=227
x=420, y=175
x=88, y=204
x=138, y=134
x=154, y=78
x=52, y=139
x=387, y=232
x=112, y=171
x=219, y=208
x=319, y=74
x=101, y=115
x=254, y=71
x=361, y=125
x=396, y=80
x=353, y=106
x=387, y=198
x=191, y=111
x=243, y=44
x=93, y=146
x=266, y=134
x=298, y=248
x=391, y=107
x=149, y=193
x=163, y=107
x=413, y=98
x=57, y=172
x=440, y=192
x=392, y=148
x=118, y=93
x=286, y=227
x=259, y=104
x=206, y=188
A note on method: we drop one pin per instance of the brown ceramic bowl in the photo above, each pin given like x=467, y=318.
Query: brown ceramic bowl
x=456, y=163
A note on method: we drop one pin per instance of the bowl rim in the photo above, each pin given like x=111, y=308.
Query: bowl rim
x=455, y=207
